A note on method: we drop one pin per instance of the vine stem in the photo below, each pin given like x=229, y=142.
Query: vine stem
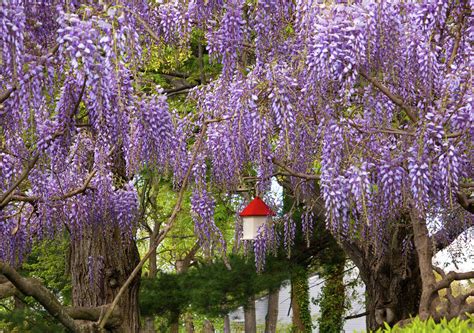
x=157, y=239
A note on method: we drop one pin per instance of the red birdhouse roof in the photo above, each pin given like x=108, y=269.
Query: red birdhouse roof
x=257, y=208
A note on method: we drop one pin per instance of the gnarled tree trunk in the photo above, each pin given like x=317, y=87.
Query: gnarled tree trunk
x=393, y=284
x=100, y=262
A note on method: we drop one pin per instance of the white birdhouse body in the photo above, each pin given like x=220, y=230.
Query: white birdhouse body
x=251, y=224
x=255, y=215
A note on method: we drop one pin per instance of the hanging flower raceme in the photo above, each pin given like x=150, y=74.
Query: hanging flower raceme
x=226, y=41
x=202, y=208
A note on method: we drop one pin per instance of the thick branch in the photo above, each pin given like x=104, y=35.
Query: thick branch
x=450, y=277
x=465, y=202
x=450, y=231
x=394, y=98
x=7, y=290
x=7, y=93
x=292, y=172
x=94, y=314
x=4, y=95
x=6, y=196
x=32, y=287
x=189, y=257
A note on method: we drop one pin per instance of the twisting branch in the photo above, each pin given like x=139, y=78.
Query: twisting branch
x=8, y=194
x=457, y=41
x=452, y=228
x=394, y=98
x=450, y=277
x=294, y=173
x=144, y=24
x=32, y=287
x=4, y=95
x=7, y=93
x=7, y=289
x=157, y=239
x=465, y=202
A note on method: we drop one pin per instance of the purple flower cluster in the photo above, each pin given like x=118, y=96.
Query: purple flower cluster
x=226, y=41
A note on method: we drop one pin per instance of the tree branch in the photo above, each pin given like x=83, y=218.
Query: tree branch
x=8, y=194
x=450, y=277
x=32, y=287
x=94, y=314
x=7, y=289
x=465, y=202
x=394, y=98
x=363, y=314
x=451, y=230
x=7, y=93
x=294, y=173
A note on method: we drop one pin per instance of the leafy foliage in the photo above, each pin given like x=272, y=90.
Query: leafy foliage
x=211, y=288
x=416, y=325
x=28, y=320
x=46, y=262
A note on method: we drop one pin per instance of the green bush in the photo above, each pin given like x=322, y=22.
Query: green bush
x=455, y=325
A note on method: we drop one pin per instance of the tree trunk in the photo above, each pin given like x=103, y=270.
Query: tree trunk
x=271, y=319
x=153, y=270
x=424, y=249
x=100, y=262
x=148, y=325
x=226, y=324
x=149, y=321
x=250, y=317
x=301, y=319
x=208, y=327
x=332, y=297
x=174, y=324
x=188, y=322
x=392, y=281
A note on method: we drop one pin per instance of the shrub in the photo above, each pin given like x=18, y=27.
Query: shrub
x=430, y=326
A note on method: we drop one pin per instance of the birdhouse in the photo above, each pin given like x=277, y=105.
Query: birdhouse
x=254, y=216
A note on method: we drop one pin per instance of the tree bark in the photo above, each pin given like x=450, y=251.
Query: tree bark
x=174, y=325
x=100, y=262
x=424, y=249
x=300, y=301
x=149, y=321
x=208, y=327
x=393, y=284
x=227, y=324
x=148, y=325
x=188, y=322
x=333, y=297
x=250, y=316
x=271, y=319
